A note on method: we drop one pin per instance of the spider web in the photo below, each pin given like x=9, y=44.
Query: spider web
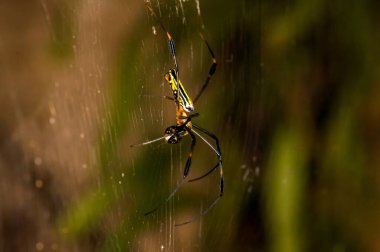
x=97, y=72
x=294, y=103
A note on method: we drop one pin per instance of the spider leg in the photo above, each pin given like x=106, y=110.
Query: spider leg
x=197, y=217
x=206, y=174
x=217, y=151
x=221, y=183
x=147, y=142
x=211, y=71
x=185, y=173
x=170, y=39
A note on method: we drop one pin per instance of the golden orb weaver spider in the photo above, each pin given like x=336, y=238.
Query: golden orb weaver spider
x=184, y=126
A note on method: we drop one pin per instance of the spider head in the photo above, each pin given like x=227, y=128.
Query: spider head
x=171, y=135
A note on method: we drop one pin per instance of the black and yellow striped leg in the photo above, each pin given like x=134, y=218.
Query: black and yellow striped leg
x=188, y=161
x=185, y=172
x=210, y=73
x=170, y=39
x=217, y=152
x=221, y=181
x=173, y=52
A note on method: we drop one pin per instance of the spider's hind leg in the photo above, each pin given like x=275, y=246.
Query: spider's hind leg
x=218, y=165
x=185, y=172
x=216, y=150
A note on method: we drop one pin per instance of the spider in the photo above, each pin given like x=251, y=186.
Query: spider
x=184, y=125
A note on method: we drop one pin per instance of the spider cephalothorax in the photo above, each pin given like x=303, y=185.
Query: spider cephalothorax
x=173, y=135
